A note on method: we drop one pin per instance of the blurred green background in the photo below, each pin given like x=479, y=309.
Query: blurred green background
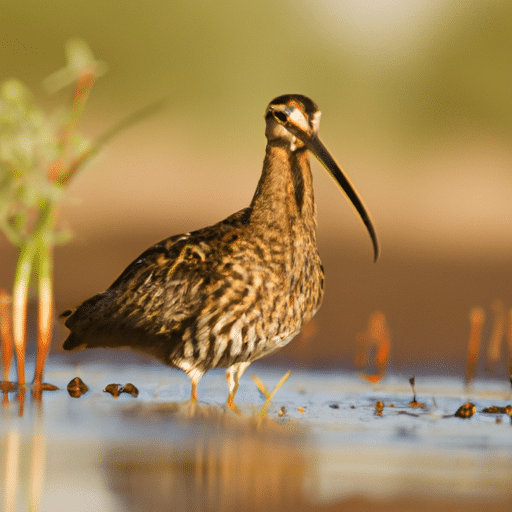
x=416, y=102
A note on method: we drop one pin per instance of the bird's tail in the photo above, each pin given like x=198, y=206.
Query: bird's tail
x=73, y=342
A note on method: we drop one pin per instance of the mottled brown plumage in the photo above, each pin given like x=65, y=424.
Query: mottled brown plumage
x=228, y=294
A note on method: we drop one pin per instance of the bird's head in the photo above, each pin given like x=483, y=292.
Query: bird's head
x=293, y=122
x=292, y=119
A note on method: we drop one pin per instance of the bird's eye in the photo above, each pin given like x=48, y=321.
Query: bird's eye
x=280, y=116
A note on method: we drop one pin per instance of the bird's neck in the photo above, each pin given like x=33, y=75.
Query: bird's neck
x=284, y=196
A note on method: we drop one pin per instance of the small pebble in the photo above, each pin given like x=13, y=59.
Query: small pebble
x=334, y=406
x=508, y=410
x=379, y=407
x=465, y=411
x=301, y=409
x=114, y=389
x=130, y=389
x=282, y=411
x=77, y=388
x=494, y=409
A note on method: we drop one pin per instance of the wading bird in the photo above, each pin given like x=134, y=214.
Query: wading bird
x=228, y=294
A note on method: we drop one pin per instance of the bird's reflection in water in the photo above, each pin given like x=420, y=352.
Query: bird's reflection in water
x=225, y=467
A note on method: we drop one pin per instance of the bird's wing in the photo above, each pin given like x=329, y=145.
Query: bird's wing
x=182, y=255
x=160, y=291
x=164, y=285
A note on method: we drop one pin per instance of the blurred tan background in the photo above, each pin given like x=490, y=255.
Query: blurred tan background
x=416, y=101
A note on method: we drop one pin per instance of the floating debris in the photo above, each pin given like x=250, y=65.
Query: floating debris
x=495, y=409
x=77, y=388
x=114, y=389
x=407, y=413
x=130, y=389
x=379, y=407
x=465, y=411
x=282, y=411
x=334, y=406
x=301, y=409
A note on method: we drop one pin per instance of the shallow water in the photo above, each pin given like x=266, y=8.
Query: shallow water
x=328, y=448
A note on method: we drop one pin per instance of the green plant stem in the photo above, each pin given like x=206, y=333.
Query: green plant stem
x=28, y=251
x=44, y=270
x=101, y=141
x=19, y=305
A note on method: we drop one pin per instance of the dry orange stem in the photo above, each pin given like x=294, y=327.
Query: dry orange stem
x=268, y=396
x=476, y=318
x=6, y=333
x=379, y=331
x=261, y=387
x=19, y=328
x=509, y=336
x=498, y=329
x=44, y=327
x=378, y=335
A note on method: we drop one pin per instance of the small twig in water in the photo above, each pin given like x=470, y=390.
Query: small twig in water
x=268, y=396
x=414, y=402
x=476, y=318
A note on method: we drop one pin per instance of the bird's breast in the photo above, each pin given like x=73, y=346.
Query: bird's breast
x=261, y=299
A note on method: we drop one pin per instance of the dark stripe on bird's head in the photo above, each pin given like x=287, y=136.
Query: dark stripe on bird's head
x=307, y=105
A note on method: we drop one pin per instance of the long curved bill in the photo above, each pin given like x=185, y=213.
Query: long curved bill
x=315, y=145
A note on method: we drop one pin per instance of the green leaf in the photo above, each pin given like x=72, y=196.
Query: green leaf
x=79, y=58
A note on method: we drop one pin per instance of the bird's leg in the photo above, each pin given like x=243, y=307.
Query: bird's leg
x=193, y=397
x=233, y=375
x=232, y=385
x=195, y=376
x=194, y=380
